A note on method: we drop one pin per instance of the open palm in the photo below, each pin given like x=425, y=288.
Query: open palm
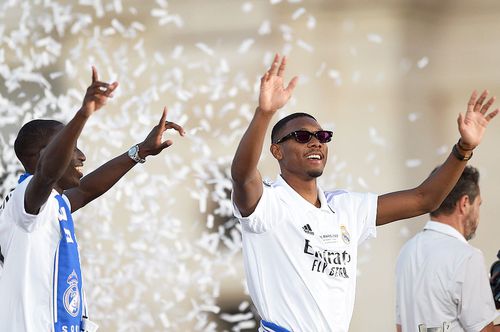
x=273, y=94
x=473, y=124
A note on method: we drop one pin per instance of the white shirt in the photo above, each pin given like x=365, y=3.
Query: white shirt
x=300, y=261
x=441, y=279
x=29, y=243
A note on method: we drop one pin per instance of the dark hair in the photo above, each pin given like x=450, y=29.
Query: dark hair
x=468, y=184
x=33, y=137
x=281, y=123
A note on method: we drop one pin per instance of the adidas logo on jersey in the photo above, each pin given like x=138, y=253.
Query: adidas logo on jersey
x=307, y=228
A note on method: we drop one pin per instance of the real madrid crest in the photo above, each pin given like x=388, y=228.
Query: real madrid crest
x=346, y=237
x=71, y=296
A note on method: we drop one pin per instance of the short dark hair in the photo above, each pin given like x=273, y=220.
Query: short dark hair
x=281, y=123
x=33, y=137
x=468, y=184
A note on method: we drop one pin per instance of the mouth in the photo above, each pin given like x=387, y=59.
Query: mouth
x=314, y=156
x=79, y=170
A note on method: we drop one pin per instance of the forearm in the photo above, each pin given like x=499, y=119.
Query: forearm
x=244, y=165
x=99, y=181
x=439, y=184
x=425, y=198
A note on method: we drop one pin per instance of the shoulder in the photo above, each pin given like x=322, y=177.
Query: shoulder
x=348, y=197
x=474, y=257
x=67, y=201
x=346, y=194
x=15, y=197
x=6, y=200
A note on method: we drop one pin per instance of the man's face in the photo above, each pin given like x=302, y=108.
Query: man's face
x=305, y=160
x=73, y=174
x=472, y=218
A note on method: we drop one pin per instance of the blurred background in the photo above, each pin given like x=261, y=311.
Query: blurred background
x=161, y=250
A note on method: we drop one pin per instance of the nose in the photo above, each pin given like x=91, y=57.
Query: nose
x=314, y=142
x=80, y=155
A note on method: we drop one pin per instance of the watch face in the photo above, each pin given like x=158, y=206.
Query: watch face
x=133, y=150
x=133, y=153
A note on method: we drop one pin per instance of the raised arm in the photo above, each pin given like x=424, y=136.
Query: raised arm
x=430, y=194
x=247, y=181
x=102, y=179
x=56, y=156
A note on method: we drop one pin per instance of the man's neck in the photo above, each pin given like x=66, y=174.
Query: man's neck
x=450, y=220
x=308, y=189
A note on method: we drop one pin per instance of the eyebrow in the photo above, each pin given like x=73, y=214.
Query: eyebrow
x=304, y=128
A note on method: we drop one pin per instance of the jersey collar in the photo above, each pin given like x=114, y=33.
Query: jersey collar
x=280, y=182
x=445, y=229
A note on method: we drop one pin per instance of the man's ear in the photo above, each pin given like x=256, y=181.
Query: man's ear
x=276, y=151
x=463, y=203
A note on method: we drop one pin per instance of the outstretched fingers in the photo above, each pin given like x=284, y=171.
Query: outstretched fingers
x=101, y=88
x=293, y=83
x=176, y=127
x=492, y=115
x=95, y=76
x=486, y=106
x=480, y=101
x=274, y=66
x=472, y=101
x=281, y=69
x=168, y=124
x=163, y=117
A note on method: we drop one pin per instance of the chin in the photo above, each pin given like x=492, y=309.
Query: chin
x=68, y=184
x=470, y=236
x=315, y=174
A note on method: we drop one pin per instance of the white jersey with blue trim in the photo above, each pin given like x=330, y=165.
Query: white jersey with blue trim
x=29, y=243
x=300, y=260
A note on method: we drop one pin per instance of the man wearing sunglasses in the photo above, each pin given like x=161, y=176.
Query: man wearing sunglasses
x=300, y=242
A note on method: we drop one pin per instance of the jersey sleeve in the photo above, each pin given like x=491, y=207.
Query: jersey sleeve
x=367, y=215
x=264, y=216
x=15, y=209
x=476, y=308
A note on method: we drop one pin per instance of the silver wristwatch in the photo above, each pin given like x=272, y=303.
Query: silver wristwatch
x=133, y=153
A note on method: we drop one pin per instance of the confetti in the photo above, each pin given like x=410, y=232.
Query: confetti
x=159, y=249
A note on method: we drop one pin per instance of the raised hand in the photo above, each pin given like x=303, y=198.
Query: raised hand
x=153, y=144
x=97, y=94
x=273, y=94
x=473, y=124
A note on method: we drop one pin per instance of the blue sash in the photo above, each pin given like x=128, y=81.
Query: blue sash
x=67, y=285
x=67, y=275
x=271, y=327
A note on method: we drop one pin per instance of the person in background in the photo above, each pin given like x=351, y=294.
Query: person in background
x=41, y=285
x=441, y=280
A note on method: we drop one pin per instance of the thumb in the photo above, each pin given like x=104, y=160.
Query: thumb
x=460, y=119
x=166, y=144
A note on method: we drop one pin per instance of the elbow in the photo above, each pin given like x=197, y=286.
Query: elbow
x=433, y=206
x=431, y=203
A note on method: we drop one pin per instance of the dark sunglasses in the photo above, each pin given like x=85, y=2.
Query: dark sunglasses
x=304, y=136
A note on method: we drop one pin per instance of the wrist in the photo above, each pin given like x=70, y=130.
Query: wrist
x=264, y=114
x=267, y=112
x=460, y=154
x=464, y=146
x=84, y=113
x=134, y=153
x=143, y=153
